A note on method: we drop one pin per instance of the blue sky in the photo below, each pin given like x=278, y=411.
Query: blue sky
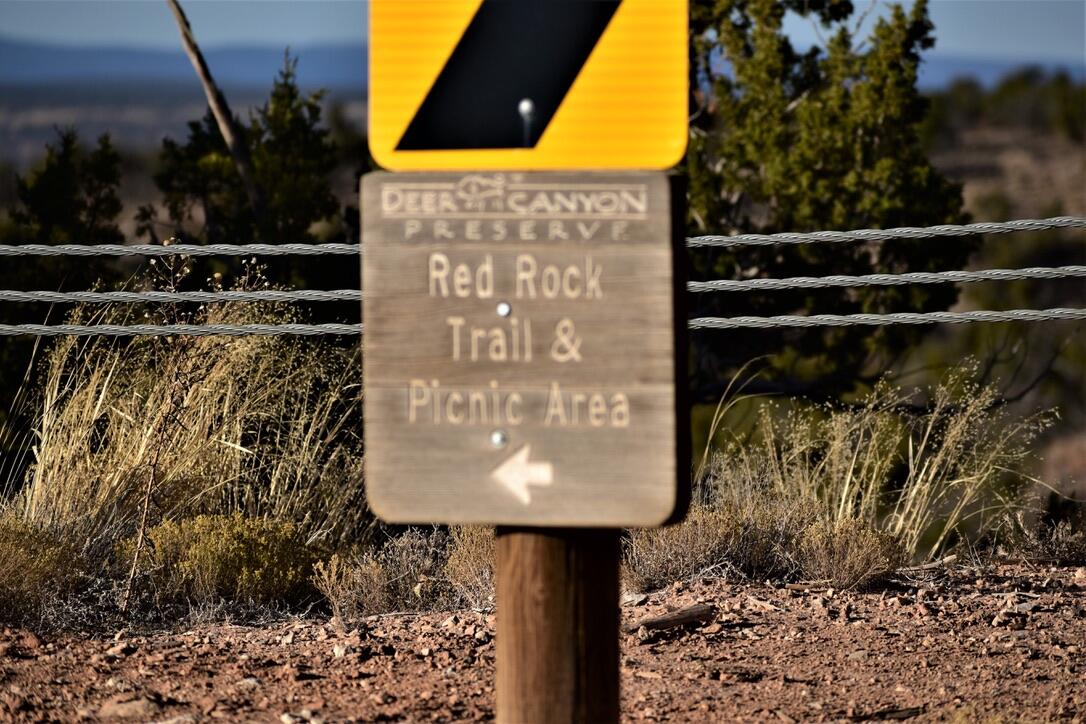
x=1041, y=30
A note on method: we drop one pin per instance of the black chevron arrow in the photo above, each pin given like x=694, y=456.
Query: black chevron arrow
x=512, y=50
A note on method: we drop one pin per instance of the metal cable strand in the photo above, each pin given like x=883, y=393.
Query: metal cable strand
x=276, y=330
x=168, y=330
x=263, y=295
x=882, y=320
x=720, y=285
x=179, y=249
x=907, y=232
x=864, y=280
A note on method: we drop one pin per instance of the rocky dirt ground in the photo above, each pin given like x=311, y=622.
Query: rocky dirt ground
x=962, y=643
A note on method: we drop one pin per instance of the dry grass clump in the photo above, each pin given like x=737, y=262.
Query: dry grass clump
x=929, y=479
x=36, y=569
x=743, y=525
x=848, y=493
x=208, y=559
x=137, y=433
x=743, y=528
x=847, y=553
x=1061, y=543
x=268, y=426
x=702, y=544
x=469, y=569
x=403, y=575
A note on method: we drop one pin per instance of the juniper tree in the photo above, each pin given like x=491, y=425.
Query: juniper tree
x=69, y=197
x=293, y=158
x=786, y=139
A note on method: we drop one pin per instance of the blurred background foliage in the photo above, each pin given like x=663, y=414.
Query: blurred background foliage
x=834, y=136
x=828, y=138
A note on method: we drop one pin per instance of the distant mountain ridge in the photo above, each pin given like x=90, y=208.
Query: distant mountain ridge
x=340, y=67
x=936, y=73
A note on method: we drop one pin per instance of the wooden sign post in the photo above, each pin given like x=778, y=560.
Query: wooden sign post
x=521, y=365
x=558, y=658
x=524, y=341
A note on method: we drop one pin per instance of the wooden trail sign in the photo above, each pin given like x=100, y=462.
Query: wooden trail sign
x=521, y=349
x=528, y=84
x=524, y=331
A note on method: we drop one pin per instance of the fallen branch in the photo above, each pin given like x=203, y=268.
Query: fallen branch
x=699, y=613
x=941, y=563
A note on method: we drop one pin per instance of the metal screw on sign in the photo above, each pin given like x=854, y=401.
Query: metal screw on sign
x=526, y=109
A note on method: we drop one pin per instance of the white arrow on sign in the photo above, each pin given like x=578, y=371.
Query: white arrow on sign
x=516, y=474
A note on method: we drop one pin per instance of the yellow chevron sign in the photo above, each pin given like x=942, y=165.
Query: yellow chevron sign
x=528, y=84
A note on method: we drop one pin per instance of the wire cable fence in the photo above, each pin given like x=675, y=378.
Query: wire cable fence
x=907, y=232
x=170, y=330
x=737, y=240
x=866, y=280
x=721, y=285
x=180, y=249
x=883, y=320
x=259, y=295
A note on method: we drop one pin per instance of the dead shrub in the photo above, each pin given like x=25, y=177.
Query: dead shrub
x=413, y=563
x=698, y=546
x=36, y=569
x=353, y=586
x=403, y=575
x=847, y=553
x=1060, y=543
x=204, y=560
x=469, y=569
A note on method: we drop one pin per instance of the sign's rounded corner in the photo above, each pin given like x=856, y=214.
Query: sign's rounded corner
x=674, y=513
x=384, y=158
x=380, y=507
x=673, y=154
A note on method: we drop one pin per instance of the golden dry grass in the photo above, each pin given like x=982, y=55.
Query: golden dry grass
x=848, y=493
x=133, y=434
x=240, y=461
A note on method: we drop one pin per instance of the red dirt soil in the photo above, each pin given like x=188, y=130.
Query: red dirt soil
x=993, y=643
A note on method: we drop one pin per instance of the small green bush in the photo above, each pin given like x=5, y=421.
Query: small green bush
x=202, y=560
x=36, y=569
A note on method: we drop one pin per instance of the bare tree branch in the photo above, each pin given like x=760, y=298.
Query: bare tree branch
x=228, y=126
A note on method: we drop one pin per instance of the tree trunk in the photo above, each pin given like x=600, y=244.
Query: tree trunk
x=228, y=127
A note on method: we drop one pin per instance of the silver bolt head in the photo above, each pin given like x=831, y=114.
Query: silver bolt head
x=499, y=438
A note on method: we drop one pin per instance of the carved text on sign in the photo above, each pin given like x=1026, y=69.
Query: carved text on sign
x=517, y=323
